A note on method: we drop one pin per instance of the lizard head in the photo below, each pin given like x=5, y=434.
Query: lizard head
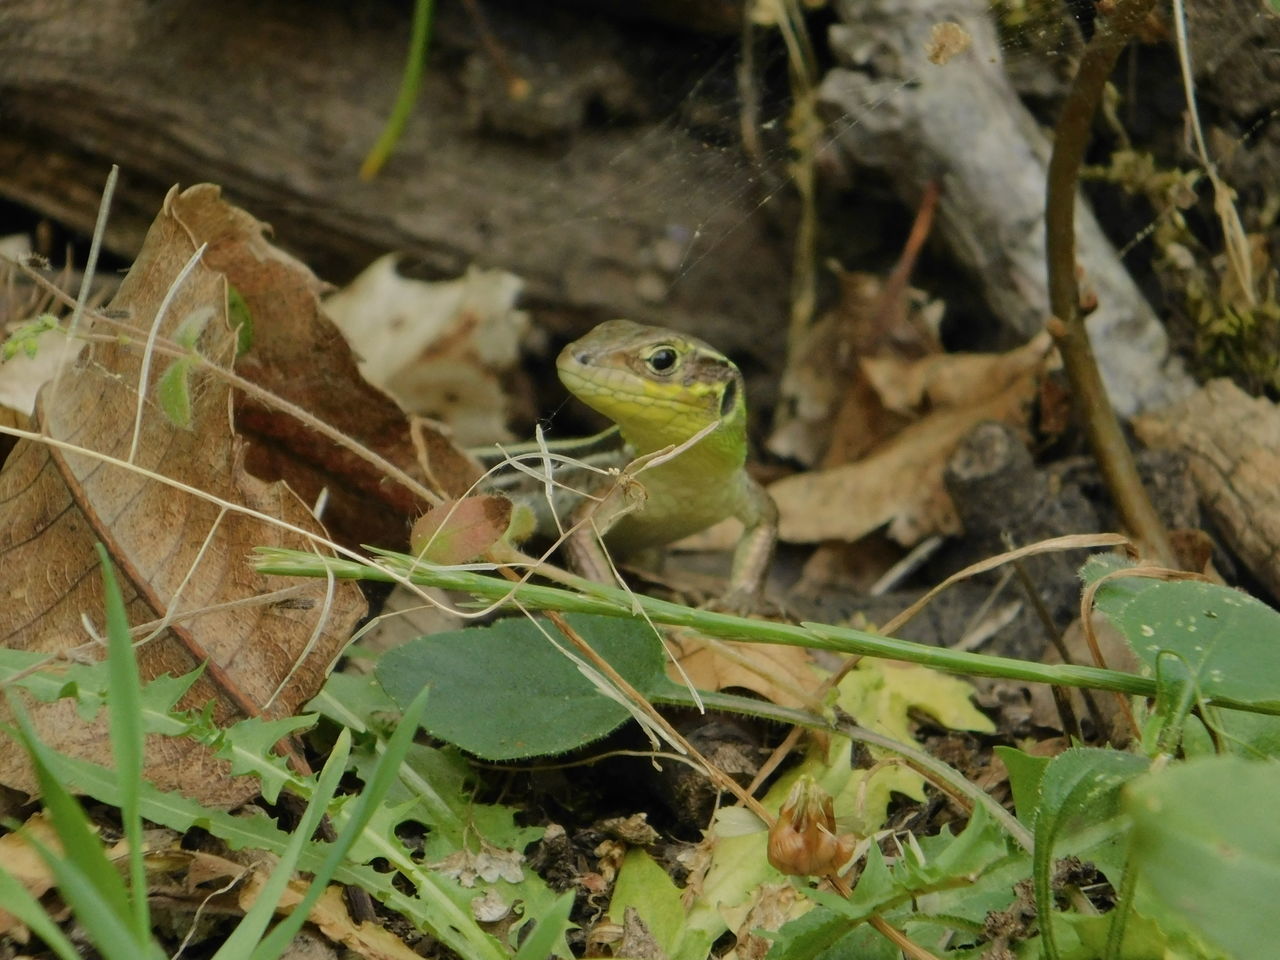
x=660, y=387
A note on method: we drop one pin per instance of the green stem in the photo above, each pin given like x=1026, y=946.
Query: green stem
x=410, y=85
x=612, y=602
x=1071, y=137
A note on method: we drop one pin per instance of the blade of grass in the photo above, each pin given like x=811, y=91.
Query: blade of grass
x=18, y=901
x=248, y=932
x=109, y=929
x=124, y=697
x=80, y=844
x=380, y=781
x=86, y=879
x=410, y=85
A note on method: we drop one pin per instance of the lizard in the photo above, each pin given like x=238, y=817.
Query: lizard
x=661, y=388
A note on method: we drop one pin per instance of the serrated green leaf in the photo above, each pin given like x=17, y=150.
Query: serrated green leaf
x=1206, y=843
x=250, y=748
x=547, y=938
x=505, y=692
x=173, y=391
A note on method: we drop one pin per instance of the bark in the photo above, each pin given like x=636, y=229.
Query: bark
x=960, y=123
x=585, y=188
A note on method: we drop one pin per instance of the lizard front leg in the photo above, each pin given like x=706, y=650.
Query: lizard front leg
x=754, y=552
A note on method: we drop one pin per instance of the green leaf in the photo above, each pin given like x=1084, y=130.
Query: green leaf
x=1206, y=843
x=240, y=317
x=1203, y=640
x=248, y=932
x=1225, y=637
x=645, y=887
x=1025, y=772
x=173, y=390
x=126, y=732
x=1080, y=786
x=506, y=692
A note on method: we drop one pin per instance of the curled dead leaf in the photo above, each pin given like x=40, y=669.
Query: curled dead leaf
x=180, y=556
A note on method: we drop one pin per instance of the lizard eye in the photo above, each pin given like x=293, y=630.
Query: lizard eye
x=662, y=360
x=728, y=398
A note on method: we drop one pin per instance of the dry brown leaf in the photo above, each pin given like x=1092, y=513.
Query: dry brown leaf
x=23, y=864
x=829, y=413
x=460, y=531
x=779, y=673
x=950, y=380
x=330, y=915
x=1232, y=443
x=438, y=348
x=900, y=483
x=299, y=355
x=175, y=553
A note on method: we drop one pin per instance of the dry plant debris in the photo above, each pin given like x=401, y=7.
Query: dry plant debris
x=900, y=483
x=438, y=348
x=181, y=557
x=1232, y=442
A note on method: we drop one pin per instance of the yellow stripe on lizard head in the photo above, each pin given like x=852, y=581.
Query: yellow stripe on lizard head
x=660, y=387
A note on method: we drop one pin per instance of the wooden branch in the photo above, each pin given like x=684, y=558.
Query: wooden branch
x=962, y=125
x=1106, y=437
x=589, y=188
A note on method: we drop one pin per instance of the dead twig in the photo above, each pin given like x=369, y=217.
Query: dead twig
x=1071, y=136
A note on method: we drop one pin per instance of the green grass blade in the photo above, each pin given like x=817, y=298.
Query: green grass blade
x=410, y=85
x=80, y=844
x=124, y=697
x=19, y=901
x=247, y=935
x=380, y=781
x=107, y=925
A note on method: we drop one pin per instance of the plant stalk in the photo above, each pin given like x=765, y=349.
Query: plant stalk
x=1106, y=438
